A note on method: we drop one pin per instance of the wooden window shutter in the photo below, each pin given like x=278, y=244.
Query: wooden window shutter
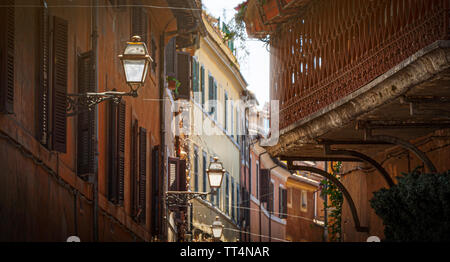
x=284, y=203
x=116, y=152
x=139, y=21
x=134, y=168
x=181, y=176
x=7, y=36
x=121, y=114
x=170, y=54
x=142, y=173
x=86, y=142
x=156, y=192
x=112, y=152
x=202, y=84
x=59, y=89
x=43, y=76
x=184, y=75
x=264, y=185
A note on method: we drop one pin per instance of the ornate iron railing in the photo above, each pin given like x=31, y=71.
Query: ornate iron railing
x=336, y=47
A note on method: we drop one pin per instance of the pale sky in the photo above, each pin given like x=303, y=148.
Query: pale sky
x=256, y=67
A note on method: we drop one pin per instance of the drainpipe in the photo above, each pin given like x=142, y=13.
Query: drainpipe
x=95, y=55
x=259, y=199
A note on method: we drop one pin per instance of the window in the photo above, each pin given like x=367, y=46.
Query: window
x=86, y=124
x=227, y=193
x=202, y=85
x=304, y=201
x=7, y=36
x=52, y=68
x=116, y=150
x=233, y=204
x=257, y=180
x=225, y=119
x=205, y=178
x=212, y=96
x=196, y=169
x=282, y=202
x=138, y=159
x=139, y=21
x=195, y=80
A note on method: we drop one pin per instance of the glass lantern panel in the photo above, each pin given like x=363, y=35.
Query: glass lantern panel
x=217, y=232
x=215, y=178
x=134, y=70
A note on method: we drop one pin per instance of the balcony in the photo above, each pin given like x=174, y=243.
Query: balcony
x=347, y=70
x=337, y=47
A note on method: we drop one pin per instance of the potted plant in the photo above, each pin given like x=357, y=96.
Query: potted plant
x=173, y=83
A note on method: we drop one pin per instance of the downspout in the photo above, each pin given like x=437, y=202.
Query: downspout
x=259, y=199
x=96, y=87
x=249, y=180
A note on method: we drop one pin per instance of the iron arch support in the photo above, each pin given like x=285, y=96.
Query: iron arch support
x=364, y=157
x=341, y=187
x=407, y=145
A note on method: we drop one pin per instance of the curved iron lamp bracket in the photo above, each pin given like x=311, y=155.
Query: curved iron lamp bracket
x=86, y=102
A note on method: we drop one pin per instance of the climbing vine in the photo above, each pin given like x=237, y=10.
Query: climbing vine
x=334, y=204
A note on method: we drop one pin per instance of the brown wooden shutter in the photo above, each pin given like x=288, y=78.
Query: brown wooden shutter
x=112, y=152
x=156, y=192
x=264, y=179
x=43, y=60
x=7, y=36
x=284, y=204
x=181, y=176
x=86, y=142
x=116, y=152
x=121, y=114
x=142, y=173
x=139, y=21
x=134, y=167
x=184, y=75
x=59, y=90
x=170, y=54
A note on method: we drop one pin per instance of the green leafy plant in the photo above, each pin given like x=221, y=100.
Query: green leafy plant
x=415, y=209
x=177, y=83
x=336, y=200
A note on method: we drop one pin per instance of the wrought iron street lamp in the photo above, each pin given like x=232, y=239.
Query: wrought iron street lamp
x=215, y=173
x=217, y=229
x=177, y=199
x=135, y=61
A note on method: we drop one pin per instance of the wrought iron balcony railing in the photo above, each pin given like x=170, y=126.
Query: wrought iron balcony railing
x=336, y=47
